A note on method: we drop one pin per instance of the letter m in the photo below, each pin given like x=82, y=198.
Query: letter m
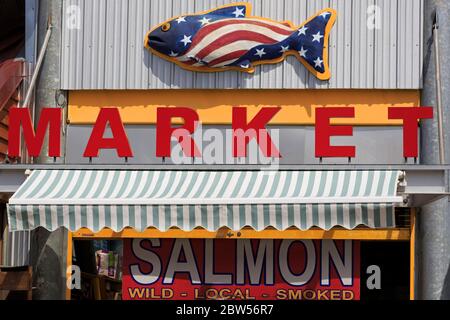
x=20, y=118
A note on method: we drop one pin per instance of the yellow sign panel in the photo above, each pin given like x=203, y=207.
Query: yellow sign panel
x=215, y=106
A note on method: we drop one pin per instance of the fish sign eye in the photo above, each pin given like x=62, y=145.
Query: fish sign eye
x=165, y=27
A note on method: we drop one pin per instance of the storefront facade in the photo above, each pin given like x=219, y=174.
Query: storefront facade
x=302, y=212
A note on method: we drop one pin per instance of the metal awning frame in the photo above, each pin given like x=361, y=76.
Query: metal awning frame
x=422, y=184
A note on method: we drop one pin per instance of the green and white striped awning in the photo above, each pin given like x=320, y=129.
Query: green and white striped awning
x=116, y=199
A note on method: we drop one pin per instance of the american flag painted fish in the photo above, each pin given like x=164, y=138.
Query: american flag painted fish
x=229, y=38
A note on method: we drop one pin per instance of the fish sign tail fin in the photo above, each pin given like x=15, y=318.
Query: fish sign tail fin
x=311, y=43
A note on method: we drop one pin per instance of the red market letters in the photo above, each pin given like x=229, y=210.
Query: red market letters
x=164, y=131
x=255, y=129
x=324, y=131
x=20, y=117
x=243, y=129
x=410, y=117
x=119, y=140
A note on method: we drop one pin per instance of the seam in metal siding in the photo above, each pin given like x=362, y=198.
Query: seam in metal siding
x=161, y=71
x=409, y=38
x=107, y=51
x=137, y=13
x=116, y=44
x=386, y=46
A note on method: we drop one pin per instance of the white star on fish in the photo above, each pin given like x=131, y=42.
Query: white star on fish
x=324, y=14
x=284, y=49
x=317, y=37
x=318, y=62
x=239, y=12
x=302, y=52
x=186, y=40
x=173, y=54
x=180, y=19
x=302, y=30
x=260, y=52
x=204, y=21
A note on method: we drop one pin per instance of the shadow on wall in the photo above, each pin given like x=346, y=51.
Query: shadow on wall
x=171, y=75
x=47, y=256
x=160, y=68
x=445, y=295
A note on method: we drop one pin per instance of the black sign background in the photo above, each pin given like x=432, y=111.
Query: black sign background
x=393, y=260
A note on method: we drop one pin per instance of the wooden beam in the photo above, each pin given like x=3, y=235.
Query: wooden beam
x=248, y=233
x=15, y=279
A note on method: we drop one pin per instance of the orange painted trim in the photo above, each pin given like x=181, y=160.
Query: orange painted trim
x=412, y=252
x=69, y=264
x=321, y=76
x=248, y=233
x=214, y=106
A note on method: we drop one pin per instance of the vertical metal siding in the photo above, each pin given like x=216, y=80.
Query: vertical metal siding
x=340, y=46
x=362, y=46
x=161, y=71
x=409, y=43
x=16, y=248
x=138, y=22
x=116, y=44
x=16, y=245
x=107, y=51
x=386, y=45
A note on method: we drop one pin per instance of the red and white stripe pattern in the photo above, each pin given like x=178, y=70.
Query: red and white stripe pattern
x=223, y=42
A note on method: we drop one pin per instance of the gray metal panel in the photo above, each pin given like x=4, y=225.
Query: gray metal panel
x=386, y=45
x=362, y=46
x=16, y=246
x=107, y=52
x=161, y=71
x=94, y=50
x=296, y=145
x=409, y=38
x=116, y=44
x=72, y=44
x=340, y=45
x=138, y=23
x=10, y=181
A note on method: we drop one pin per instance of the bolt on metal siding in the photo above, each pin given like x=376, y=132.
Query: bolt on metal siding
x=375, y=44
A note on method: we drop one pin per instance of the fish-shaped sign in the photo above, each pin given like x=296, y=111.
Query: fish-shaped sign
x=229, y=38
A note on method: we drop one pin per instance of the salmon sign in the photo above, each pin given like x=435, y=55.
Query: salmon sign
x=229, y=38
x=219, y=269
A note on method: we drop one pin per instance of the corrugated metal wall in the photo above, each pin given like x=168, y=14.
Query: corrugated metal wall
x=17, y=249
x=102, y=45
x=16, y=245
